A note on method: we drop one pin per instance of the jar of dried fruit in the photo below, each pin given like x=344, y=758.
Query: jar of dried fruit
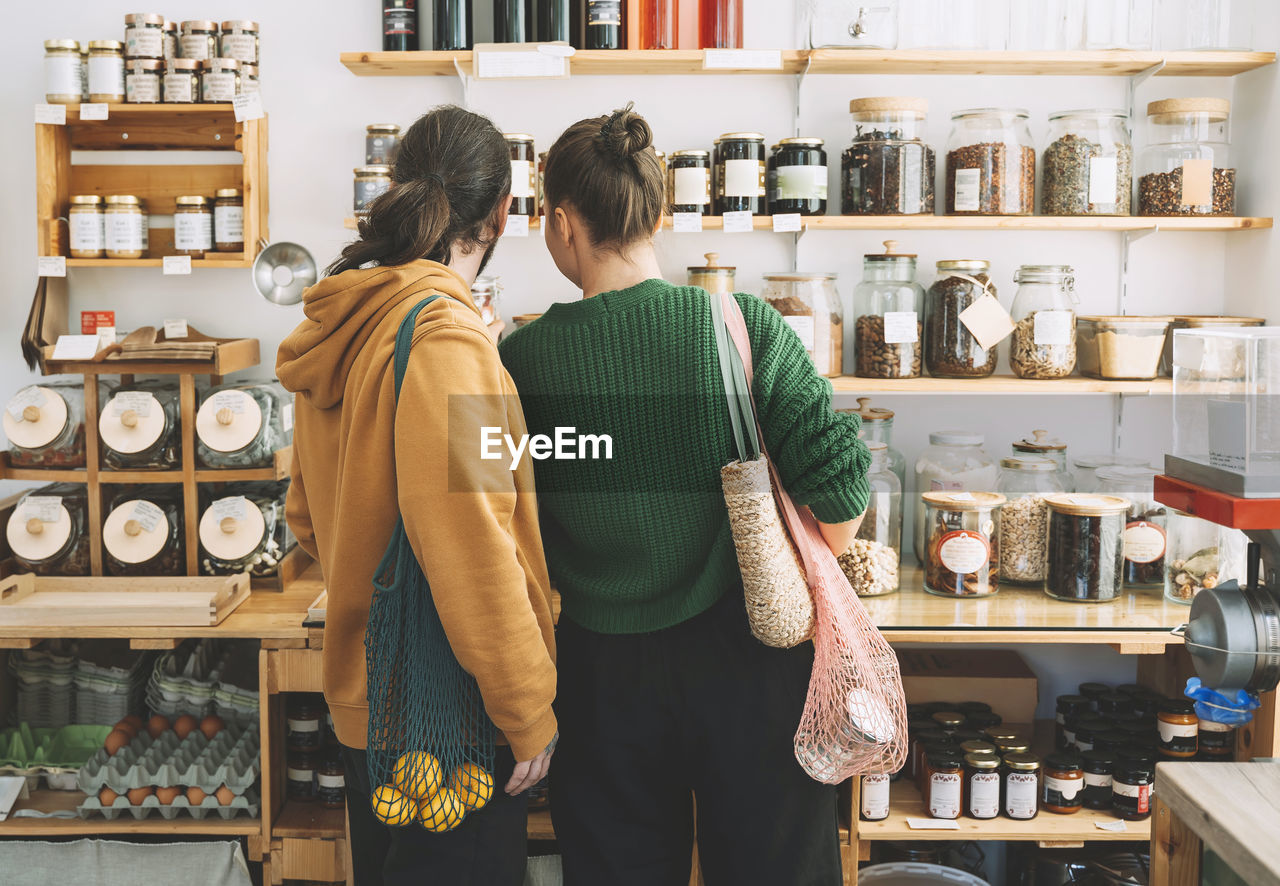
x=871, y=563
x=1044, y=340
x=886, y=337
x=991, y=163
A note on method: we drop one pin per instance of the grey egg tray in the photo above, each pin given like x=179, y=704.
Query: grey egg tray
x=191, y=680
x=247, y=802
x=232, y=758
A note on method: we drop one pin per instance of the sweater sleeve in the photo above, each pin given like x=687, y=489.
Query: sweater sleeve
x=822, y=462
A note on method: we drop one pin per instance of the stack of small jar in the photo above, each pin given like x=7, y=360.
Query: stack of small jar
x=118, y=226
x=313, y=767
x=156, y=62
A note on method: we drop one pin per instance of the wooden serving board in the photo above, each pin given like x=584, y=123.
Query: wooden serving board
x=123, y=602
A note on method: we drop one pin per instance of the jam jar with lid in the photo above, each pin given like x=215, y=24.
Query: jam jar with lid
x=944, y=783
x=198, y=40
x=228, y=220
x=124, y=226
x=962, y=547
x=523, y=174
x=1068, y=706
x=242, y=425
x=1132, y=786
x=302, y=724
x=106, y=71
x=144, y=36
x=45, y=424
x=796, y=177
x=874, y=798
x=143, y=81
x=300, y=776
x=1021, y=786
x=1179, y=728
x=143, y=532
x=243, y=529
x=62, y=72
x=689, y=182
x=1098, y=766
x=380, y=143
x=85, y=220
x=139, y=427
x=886, y=339
x=182, y=84
x=371, y=182
x=1063, y=788
x=982, y=786
x=220, y=81
x=331, y=783
x=192, y=226
x=741, y=173
x=888, y=169
x=48, y=531
x=240, y=41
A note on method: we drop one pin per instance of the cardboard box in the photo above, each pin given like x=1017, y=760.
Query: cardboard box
x=998, y=677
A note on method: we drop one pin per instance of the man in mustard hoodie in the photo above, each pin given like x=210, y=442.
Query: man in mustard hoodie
x=360, y=461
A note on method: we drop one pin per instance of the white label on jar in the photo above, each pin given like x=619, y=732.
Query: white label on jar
x=521, y=178
x=192, y=230
x=1021, y=794
x=944, y=794
x=331, y=781
x=1083, y=746
x=235, y=507
x=286, y=417
x=1102, y=180
x=875, y=797
x=123, y=231
x=1097, y=780
x=1069, y=737
x=143, y=89
x=146, y=231
x=45, y=508
x=62, y=75
x=742, y=178
x=1143, y=542
x=1197, y=182
x=304, y=725
x=30, y=396
x=220, y=86
x=137, y=402
x=143, y=42
x=230, y=400
x=968, y=184
x=87, y=233
x=197, y=46
x=1170, y=731
x=1067, y=787
x=1054, y=327
x=901, y=327
x=241, y=46
x=147, y=514
x=1142, y=792
x=984, y=794
x=804, y=328
x=800, y=183
x=106, y=75
x=180, y=88
x=300, y=775
x=692, y=186
x=228, y=224
x=964, y=552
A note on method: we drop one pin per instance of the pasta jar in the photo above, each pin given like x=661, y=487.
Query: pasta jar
x=142, y=534
x=85, y=220
x=1044, y=337
x=796, y=177
x=240, y=41
x=144, y=36
x=199, y=40
x=1145, y=539
x=1025, y=480
x=1086, y=547
x=106, y=71
x=192, y=226
x=1063, y=788
x=44, y=424
x=48, y=531
x=523, y=175
x=142, y=81
x=741, y=175
x=945, y=785
x=885, y=340
x=228, y=220
x=123, y=227
x=380, y=143
x=1132, y=786
x=991, y=163
x=689, y=182
x=1186, y=166
x=1021, y=786
x=874, y=798
x=871, y=562
x=371, y=183
x=963, y=547
x=981, y=786
x=139, y=427
x=1097, y=766
x=249, y=79
x=950, y=350
x=182, y=84
x=1088, y=166
x=62, y=72
x=169, y=39
x=809, y=304
x=888, y=169
x=713, y=277
x=221, y=79
x=1179, y=729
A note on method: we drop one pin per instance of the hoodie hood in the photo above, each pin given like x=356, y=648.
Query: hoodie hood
x=343, y=312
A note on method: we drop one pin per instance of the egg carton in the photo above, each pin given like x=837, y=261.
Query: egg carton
x=247, y=802
x=45, y=710
x=231, y=758
x=43, y=666
x=104, y=709
x=195, y=677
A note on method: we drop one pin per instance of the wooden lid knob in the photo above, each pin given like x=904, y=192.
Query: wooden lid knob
x=225, y=416
x=863, y=401
x=890, y=247
x=713, y=258
x=129, y=418
x=31, y=414
x=229, y=525
x=1039, y=436
x=132, y=528
x=35, y=526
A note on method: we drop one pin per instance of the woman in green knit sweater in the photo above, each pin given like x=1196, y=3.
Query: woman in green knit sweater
x=663, y=693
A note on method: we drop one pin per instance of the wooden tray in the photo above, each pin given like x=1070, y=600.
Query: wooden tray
x=125, y=602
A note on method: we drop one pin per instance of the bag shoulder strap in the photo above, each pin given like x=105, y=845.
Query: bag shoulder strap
x=404, y=339
x=737, y=386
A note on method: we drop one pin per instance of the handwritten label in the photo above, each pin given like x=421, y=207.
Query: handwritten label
x=742, y=59
x=94, y=111
x=106, y=336
x=786, y=223
x=137, y=402
x=901, y=327
x=517, y=226
x=548, y=61
x=233, y=401
x=234, y=506
x=45, y=508
x=686, y=222
x=177, y=264
x=248, y=106
x=738, y=222
x=51, y=266
x=175, y=328
x=53, y=115
x=29, y=396
x=75, y=347
x=147, y=514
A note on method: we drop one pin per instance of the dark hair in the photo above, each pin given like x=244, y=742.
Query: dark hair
x=452, y=170
x=607, y=170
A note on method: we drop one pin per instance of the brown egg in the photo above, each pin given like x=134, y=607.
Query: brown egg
x=224, y=795
x=157, y=725
x=195, y=796
x=167, y=795
x=106, y=796
x=126, y=726
x=116, y=739
x=211, y=726
x=184, y=725
x=135, y=721
x=137, y=795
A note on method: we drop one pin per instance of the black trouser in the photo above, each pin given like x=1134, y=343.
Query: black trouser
x=487, y=849
x=702, y=708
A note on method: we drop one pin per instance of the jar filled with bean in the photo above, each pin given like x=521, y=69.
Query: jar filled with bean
x=1025, y=480
x=872, y=561
x=885, y=339
x=963, y=547
x=888, y=169
x=991, y=163
x=1044, y=338
x=810, y=305
x=1144, y=531
x=950, y=349
x=1086, y=547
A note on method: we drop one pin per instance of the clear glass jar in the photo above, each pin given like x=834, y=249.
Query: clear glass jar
x=1121, y=347
x=44, y=424
x=877, y=427
x=1087, y=168
x=1206, y=24
x=991, y=163
x=240, y=41
x=1194, y=559
x=243, y=529
x=228, y=220
x=85, y=220
x=380, y=143
x=962, y=558
x=1044, y=338
x=243, y=425
x=144, y=35
x=713, y=277
x=888, y=169
x=371, y=183
x=1086, y=547
x=854, y=24
x=106, y=71
x=221, y=80
x=1054, y=25
x=169, y=39
x=1186, y=167
x=1086, y=467
x=486, y=292
x=1045, y=446
x=796, y=177
x=1145, y=525
x=1119, y=24
x=950, y=350
x=953, y=462
x=885, y=339
x=142, y=533
x=872, y=561
x=810, y=305
x=62, y=72
x=249, y=79
x=182, y=84
x=192, y=226
x=198, y=40
x=48, y=531
x=1024, y=481
x=143, y=81
x=139, y=427
x=124, y=226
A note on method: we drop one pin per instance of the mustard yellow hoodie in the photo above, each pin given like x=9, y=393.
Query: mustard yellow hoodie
x=480, y=550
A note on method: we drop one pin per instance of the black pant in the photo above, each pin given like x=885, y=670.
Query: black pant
x=487, y=849
x=702, y=708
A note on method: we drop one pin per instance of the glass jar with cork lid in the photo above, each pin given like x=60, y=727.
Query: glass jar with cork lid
x=713, y=277
x=240, y=40
x=198, y=40
x=1186, y=167
x=1088, y=166
x=962, y=546
x=143, y=81
x=810, y=305
x=877, y=426
x=48, y=531
x=888, y=169
x=886, y=339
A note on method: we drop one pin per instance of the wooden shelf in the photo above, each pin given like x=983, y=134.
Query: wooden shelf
x=230, y=356
x=67, y=801
x=540, y=827
x=299, y=819
x=997, y=384
x=1113, y=63
x=227, y=263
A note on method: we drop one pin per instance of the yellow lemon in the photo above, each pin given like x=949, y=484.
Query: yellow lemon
x=472, y=784
x=417, y=775
x=442, y=812
x=392, y=807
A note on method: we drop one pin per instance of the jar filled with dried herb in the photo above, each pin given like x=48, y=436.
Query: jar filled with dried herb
x=1186, y=167
x=1086, y=547
x=1044, y=340
x=962, y=557
x=888, y=170
x=1144, y=531
x=991, y=163
x=1088, y=166
x=887, y=334
x=950, y=350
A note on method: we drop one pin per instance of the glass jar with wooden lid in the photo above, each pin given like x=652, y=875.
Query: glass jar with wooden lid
x=228, y=220
x=142, y=533
x=169, y=39
x=143, y=81
x=123, y=227
x=139, y=427
x=144, y=35
x=106, y=71
x=240, y=41
x=221, y=79
x=199, y=40
x=182, y=81
x=713, y=277
x=48, y=531
x=44, y=424
x=192, y=226
x=1085, y=547
x=62, y=72
x=962, y=543
x=85, y=220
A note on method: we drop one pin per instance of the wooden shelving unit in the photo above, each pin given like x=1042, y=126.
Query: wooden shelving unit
x=47, y=801
x=998, y=384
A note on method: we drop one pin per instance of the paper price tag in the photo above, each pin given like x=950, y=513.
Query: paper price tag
x=961, y=496
x=177, y=264
x=75, y=347
x=31, y=396
x=233, y=506
x=537, y=62
x=901, y=327
x=787, y=223
x=51, y=266
x=54, y=115
x=106, y=336
x=1118, y=826
x=248, y=106
x=229, y=400
x=987, y=321
x=686, y=222
x=286, y=417
x=175, y=328
x=138, y=402
x=45, y=508
x=147, y=514
x=94, y=111
x=738, y=222
x=517, y=226
x=932, y=824
x=742, y=59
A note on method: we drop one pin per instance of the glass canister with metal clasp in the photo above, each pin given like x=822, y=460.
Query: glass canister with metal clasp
x=1044, y=337
x=713, y=277
x=886, y=338
x=741, y=173
x=797, y=177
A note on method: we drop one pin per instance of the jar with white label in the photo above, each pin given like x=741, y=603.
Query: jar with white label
x=1186, y=167
x=139, y=427
x=953, y=462
x=124, y=227
x=228, y=220
x=888, y=170
x=962, y=557
x=248, y=79
x=199, y=40
x=142, y=533
x=371, y=183
x=169, y=40
x=810, y=305
x=380, y=143
x=1063, y=791
x=240, y=41
x=62, y=72
x=991, y=163
x=1146, y=523
x=1088, y=166
x=44, y=424
x=144, y=35
x=1044, y=335
x=143, y=80
x=796, y=177
x=48, y=531
x=182, y=81
x=982, y=786
x=944, y=783
x=85, y=220
x=243, y=425
x=1021, y=786
x=523, y=174
x=192, y=226
x=740, y=174
x=106, y=71
x=689, y=182
x=220, y=81
x=886, y=337
x=243, y=529
x=875, y=797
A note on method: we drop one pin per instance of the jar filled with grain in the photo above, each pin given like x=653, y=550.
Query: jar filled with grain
x=872, y=561
x=124, y=225
x=143, y=81
x=886, y=338
x=106, y=71
x=1186, y=167
x=182, y=81
x=1088, y=166
x=192, y=226
x=62, y=72
x=991, y=163
x=228, y=220
x=199, y=40
x=221, y=79
x=1044, y=339
x=85, y=220
x=888, y=169
x=1024, y=520
x=962, y=553
x=809, y=304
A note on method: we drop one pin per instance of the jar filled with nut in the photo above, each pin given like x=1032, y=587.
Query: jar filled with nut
x=1144, y=531
x=1024, y=519
x=1086, y=547
x=991, y=163
x=963, y=555
x=888, y=307
x=950, y=350
x=1044, y=339
x=242, y=529
x=810, y=305
x=877, y=427
x=871, y=563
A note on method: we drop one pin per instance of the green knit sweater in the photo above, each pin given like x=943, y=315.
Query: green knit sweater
x=641, y=541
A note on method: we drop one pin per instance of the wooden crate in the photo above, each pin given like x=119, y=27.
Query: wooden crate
x=151, y=128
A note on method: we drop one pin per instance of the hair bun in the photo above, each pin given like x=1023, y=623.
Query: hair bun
x=625, y=133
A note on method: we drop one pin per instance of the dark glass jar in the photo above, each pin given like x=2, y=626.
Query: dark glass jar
x=1111, y=702
x=1131, y=787
x=399, y=26
x=720, y=24
x=452, y=25
x=982, y=722
x=740, y=173
x=523, y=174
x=981, y=786
x=923, y=737
x=960, y=736
x=1086, y=733
x=1097, y=766
x=977, y=746
x=512, y=21
x=1147, y=705
x=1063, y=787
x=331, y=783
x=969, y=708
x=554, y=21
x=797, y=177
x=1068, y=706
x=1119, y=718
x=1132, y=689
x=300, y=777
x=949, y=721
x=689, y=182
x=1179, y=728
x=1021, y=786
x=1093, y=691
x=1004, y=747
x=302, y=725
x=1113, y=740
x=598, y=24
x=875, y=798
x=930, y=747
x=1217, y=742
x=996, y=734
x=944, y=785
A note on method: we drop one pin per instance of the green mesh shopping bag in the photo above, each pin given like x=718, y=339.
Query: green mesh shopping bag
x=431, y=745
